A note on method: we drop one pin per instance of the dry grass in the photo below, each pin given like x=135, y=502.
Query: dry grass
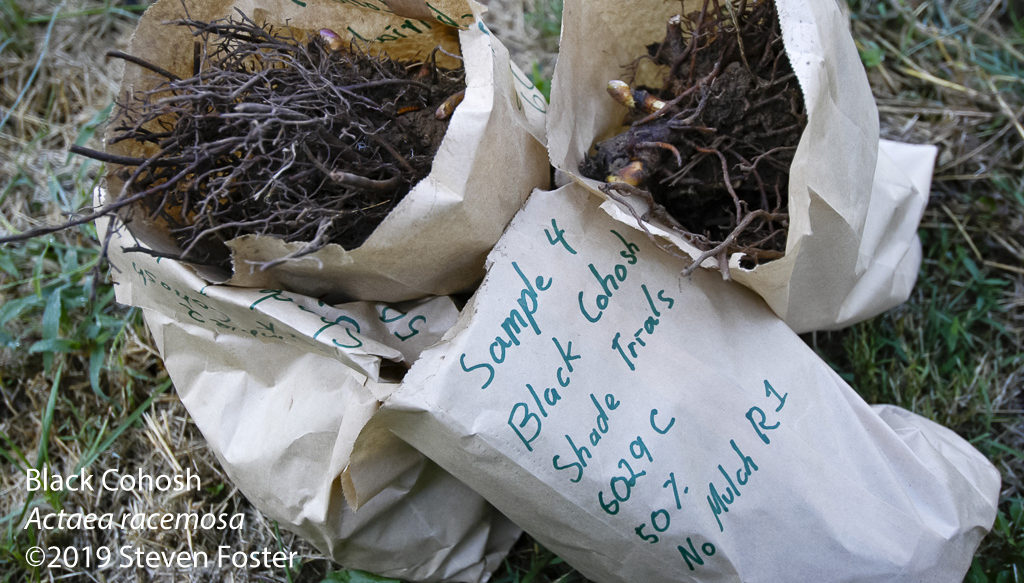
x=52, y=78
x=55, y=87
x=951, y=75
x=530, y=29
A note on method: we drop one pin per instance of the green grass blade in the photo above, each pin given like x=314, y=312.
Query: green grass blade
x=35, y=70
x=43, y=457
x=130, y=420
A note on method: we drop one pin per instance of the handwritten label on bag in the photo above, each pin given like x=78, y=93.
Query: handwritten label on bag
x=563, y=368
x=358, y=333
x=646, y=426
x=615, y=319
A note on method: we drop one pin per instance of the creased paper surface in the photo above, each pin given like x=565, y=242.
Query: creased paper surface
x=843, y=185
x=647, y=427
x=285, y=389
x=435, y=240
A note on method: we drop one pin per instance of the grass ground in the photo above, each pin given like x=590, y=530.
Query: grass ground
x=81, y=385
x=952, y=74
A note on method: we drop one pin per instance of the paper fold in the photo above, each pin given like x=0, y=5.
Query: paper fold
x=285, y=390
x=435, y=240
x=846, y=259
x=645, y=426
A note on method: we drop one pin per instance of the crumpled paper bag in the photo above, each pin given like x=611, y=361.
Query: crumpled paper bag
x=852, y=250
x=648, y=428
x=285, y=389
x=434, y=242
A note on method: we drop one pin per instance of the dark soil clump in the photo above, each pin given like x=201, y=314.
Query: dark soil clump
x=305, y=140
x=712, y=147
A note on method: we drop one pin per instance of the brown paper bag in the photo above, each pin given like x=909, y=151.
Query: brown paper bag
x=434, y=241
x=282, y=385
x=854, y=202
x=651, y=429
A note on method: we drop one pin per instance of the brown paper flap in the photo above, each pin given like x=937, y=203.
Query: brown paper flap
x=435, y=241
x=834, y=178
x=651, y=428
